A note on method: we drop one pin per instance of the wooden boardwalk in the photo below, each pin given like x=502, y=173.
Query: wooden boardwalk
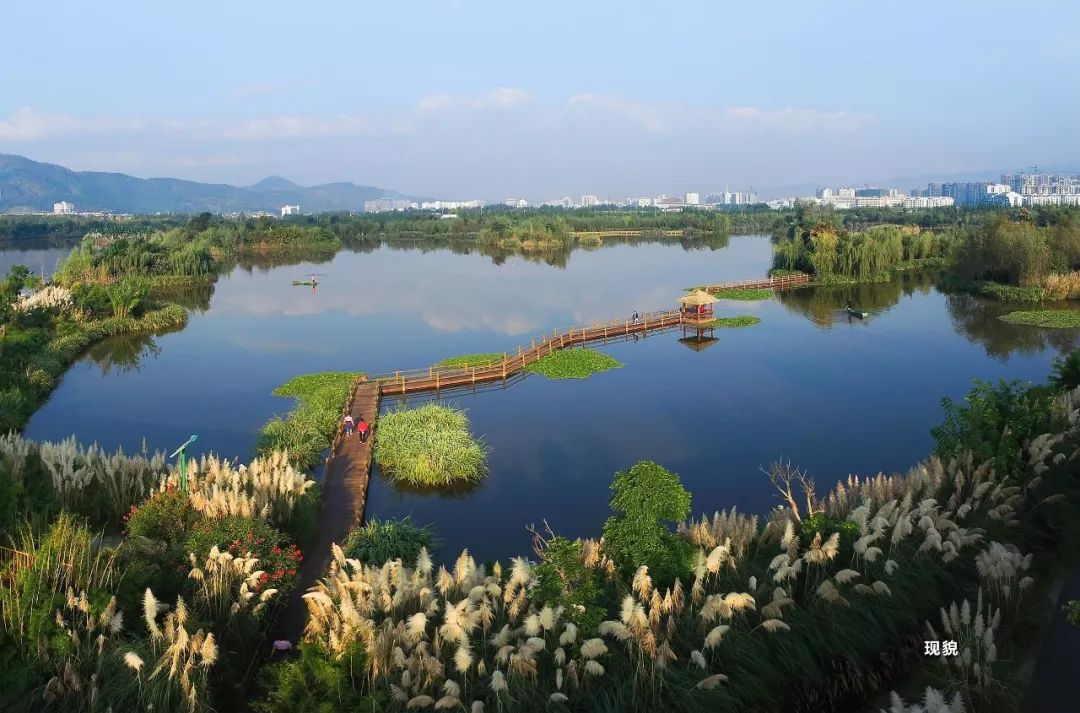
x=342, y=502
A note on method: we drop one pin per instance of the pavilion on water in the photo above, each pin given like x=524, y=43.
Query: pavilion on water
x=696, y=308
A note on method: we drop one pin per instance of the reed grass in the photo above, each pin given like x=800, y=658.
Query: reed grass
x=469, y=360
x=429, y=446
x=578, y=363
x=1050, y=318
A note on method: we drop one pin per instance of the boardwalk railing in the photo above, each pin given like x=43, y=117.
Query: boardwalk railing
x=437, y=377
x=773, y=283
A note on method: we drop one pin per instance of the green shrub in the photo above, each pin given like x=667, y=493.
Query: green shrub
x=746, y=295
x=429, y=446
x=572, y=364
x=317, y=683
x=167, y=515
x=743, y=320
x=380, y=541
x=564, y=580
x=278, y=558
x=995, y=423
x=1066, y=372
x=648, y=501
x=820, y=523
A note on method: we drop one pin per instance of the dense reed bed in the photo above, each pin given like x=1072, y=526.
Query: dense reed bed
x=743, y=320
x=824, y=603
x=429, y=446
x=469, y=360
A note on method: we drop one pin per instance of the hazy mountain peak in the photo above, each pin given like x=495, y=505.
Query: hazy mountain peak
x=275, y=183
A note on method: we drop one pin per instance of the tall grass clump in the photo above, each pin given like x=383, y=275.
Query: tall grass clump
x=309, y=428
x=429, y=446
x=579, y=363
x=380, y=541
x=746, y=295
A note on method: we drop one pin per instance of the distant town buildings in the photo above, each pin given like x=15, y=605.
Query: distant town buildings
x=1013, y=190
x=589, y=201
x=516, y=203
x=63, y=208
x=290, y=210
x=385, y=205
x=692, y=198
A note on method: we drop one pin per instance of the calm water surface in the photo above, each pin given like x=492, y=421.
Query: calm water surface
x=835, y=395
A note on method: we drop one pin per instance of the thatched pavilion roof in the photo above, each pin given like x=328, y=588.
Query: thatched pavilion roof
x=698, y=343
x=698, y=297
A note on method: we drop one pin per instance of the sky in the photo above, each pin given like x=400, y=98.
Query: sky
x=462, y=99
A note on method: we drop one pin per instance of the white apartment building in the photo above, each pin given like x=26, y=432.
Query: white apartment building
x=450, y=205
x=290, y=210
x=928, y=201
x=63, y=208
x=516, y=203
x=588, y=201
x=692, y=198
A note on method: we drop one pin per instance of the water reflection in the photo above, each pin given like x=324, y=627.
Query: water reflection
x=123, y=353
x=825, y=305
x=977, y=319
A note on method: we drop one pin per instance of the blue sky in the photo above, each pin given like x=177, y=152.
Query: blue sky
x=495, y=99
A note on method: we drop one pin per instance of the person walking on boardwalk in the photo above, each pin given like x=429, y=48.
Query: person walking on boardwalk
x=348, y=424
x=363, y=428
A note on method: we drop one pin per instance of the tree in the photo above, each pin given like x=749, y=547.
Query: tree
x=648, y=501
x=126, y=295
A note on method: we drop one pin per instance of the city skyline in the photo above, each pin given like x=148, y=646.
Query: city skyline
x=445, y=99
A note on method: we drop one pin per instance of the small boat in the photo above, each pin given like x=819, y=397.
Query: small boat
x=857, y=313
x=308, y=283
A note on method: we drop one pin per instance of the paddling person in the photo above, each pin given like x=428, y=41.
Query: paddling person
x=349, y=425
x=362, y=427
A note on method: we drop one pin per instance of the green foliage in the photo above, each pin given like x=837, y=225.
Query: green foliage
x=429, y=446
x=167, y=515
x=820, y=523
x=309, y=428
x=316, y=683
x=744, y=320
x=1005, y=251
x=1066, y=371
x=1072, y=611
x=563, y=580
x=469, y=360
x=1053, y=318
x=995, y=423
x=278, y=558
x=380, y=541
x=127, y=295
x=648, y=501
x=578, y=363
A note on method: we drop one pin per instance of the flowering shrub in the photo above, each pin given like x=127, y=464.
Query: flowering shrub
x=166, y=515
x=278, y=558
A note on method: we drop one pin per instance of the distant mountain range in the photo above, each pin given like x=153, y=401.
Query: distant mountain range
x=31, y=185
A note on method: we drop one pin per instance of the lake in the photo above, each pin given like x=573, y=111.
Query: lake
x=834, y=394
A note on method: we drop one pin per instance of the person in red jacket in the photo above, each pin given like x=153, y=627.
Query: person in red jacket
x=362, y=427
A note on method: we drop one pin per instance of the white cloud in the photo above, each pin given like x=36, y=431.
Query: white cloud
x=501, y=97
x=28, y=125
x=653, y=117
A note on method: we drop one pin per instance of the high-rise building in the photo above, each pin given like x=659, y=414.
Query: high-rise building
x=692, y=198
x=63, y=208
x=290, y=210
x=589, y=200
